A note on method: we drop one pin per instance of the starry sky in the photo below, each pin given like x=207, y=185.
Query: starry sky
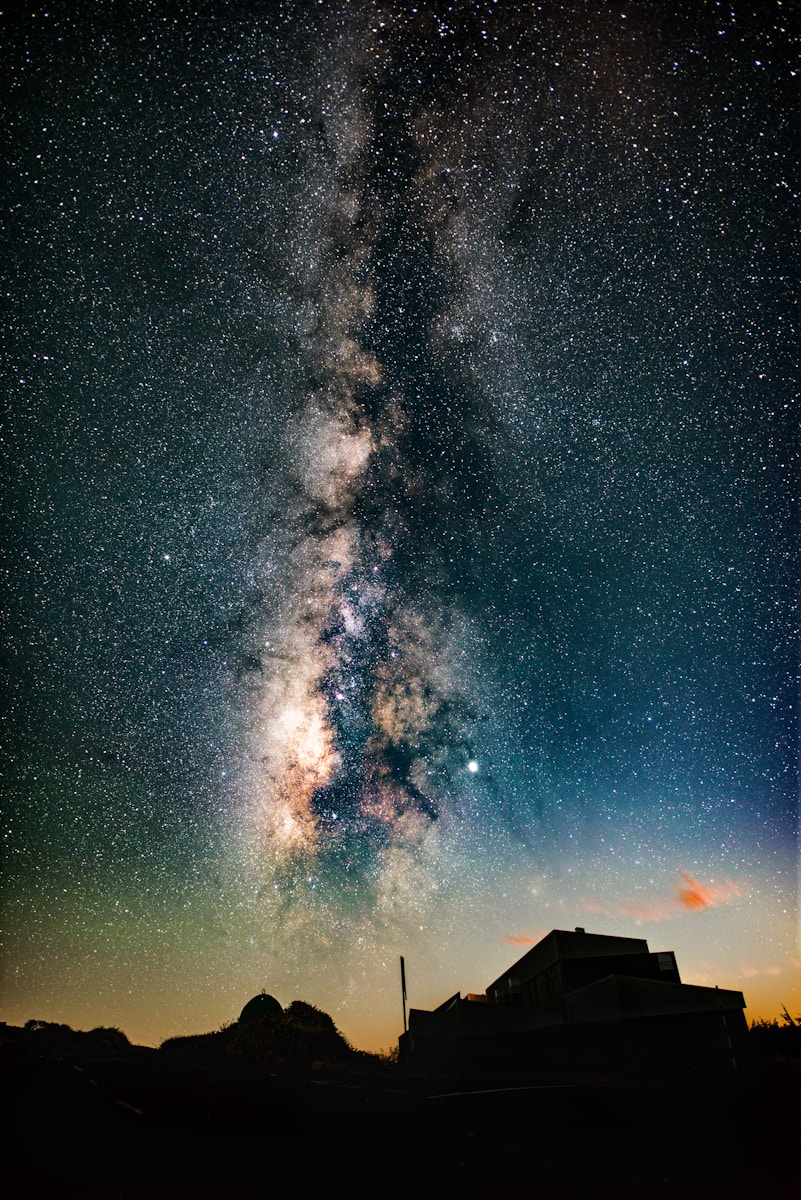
x=402, y=466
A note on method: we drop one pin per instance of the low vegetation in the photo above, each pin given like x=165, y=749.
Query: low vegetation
x=778, y=1038
x=50, y=1039
x=300, y=1035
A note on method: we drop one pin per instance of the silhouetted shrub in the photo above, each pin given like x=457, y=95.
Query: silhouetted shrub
x=306, y=1016
x=775, y=1038
x=263, y=1039
x=198, y=1045
x=51, y=1039
x=105, y=1040
x=300, y=1035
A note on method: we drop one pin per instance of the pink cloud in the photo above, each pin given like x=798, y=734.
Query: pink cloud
x=689, y=895
x=699, y=896
x=524, y=939
x=751, y=972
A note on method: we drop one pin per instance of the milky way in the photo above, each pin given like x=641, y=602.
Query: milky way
x=403, y=458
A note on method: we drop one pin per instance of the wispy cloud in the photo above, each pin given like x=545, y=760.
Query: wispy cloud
x=525, y=939
x=699, y=896
x=749, y=972
x=688, y=895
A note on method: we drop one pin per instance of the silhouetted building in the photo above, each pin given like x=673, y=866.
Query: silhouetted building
x=581, y=1006
x=259, y=1007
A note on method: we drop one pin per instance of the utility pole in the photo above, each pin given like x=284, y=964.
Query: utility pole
x=403, y=990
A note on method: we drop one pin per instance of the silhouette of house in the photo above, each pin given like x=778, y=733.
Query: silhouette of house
x=579, y=1007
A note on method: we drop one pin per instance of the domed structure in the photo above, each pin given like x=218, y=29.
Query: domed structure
x=259, y=1007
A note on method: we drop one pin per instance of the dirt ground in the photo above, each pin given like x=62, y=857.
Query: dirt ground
x=144, y=1126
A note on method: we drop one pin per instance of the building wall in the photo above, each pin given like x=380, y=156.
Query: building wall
x=578, y=1008
x=559, y=946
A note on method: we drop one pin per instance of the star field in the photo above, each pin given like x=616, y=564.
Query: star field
x=402, y=460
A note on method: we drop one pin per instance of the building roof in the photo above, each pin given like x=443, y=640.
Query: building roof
x=561, y=944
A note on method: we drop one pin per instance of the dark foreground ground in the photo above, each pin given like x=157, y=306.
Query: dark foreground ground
x=146, y=1126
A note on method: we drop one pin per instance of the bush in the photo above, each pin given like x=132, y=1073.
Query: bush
x=197, y=1045
x=300, y=1035
x=775, y=1037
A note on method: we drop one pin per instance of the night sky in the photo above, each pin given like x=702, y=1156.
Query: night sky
x=401, y=500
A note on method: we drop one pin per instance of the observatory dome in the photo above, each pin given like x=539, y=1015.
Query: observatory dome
x=259, y=1007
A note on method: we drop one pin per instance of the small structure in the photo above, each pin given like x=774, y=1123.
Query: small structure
x=259, y=1007
x=580, y=1007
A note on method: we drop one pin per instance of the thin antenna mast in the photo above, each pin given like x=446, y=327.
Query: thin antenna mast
x=403, y=990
